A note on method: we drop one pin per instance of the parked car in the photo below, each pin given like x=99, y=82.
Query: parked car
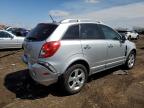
x=9, y=40
x=18, y=31
x=70, y=51
x=132, y=35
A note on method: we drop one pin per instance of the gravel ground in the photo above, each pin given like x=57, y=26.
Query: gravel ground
x=103, y=90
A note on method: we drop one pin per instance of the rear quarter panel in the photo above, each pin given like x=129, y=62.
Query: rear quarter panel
x=69, y=51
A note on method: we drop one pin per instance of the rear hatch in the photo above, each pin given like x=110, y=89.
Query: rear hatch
x=35, y=40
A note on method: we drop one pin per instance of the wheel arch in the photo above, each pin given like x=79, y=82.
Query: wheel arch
x=133, y=50
x=80, y=61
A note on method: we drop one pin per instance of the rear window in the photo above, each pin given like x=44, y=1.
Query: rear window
x=41, y=32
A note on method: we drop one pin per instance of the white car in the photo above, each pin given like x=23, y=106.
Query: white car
x=9, y=40
x=132, y=35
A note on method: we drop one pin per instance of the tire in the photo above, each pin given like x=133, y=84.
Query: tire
x=130, y=60
x=74, y=78
x=137, y=37
x=129, y=38
x=22, y=47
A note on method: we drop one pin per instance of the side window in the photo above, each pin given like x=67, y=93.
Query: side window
x=109, y=33
x=4, y=35
x=1, y=34
x=90, y=31
x=72, y=32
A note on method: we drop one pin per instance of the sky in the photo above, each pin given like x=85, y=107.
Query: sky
x=115, y=13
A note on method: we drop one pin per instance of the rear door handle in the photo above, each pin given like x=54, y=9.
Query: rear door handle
x=110, y=46
x=87, y=47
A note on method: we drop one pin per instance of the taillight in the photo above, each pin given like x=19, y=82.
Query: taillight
x=49, y=49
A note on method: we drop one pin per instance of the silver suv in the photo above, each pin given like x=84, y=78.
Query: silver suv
x=70, y=51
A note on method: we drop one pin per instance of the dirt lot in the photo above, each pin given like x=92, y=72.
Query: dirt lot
x=104, y=90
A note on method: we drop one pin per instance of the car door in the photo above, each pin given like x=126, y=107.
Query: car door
x=7, y=40
x=116, y=49
x=94, y=46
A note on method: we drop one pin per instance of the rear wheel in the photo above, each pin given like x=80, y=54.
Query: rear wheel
x=130, y=60
x=74, y=78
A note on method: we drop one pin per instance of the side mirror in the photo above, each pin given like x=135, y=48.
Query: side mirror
x=123, y=38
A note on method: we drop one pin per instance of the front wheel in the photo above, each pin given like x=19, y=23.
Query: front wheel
x=129, y=37
x=74, y=78
x=130, y=60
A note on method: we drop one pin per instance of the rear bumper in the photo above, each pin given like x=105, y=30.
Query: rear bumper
x=42, y=75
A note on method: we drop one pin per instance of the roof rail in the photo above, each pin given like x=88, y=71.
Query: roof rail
x=78, y=20
x=69, y=20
